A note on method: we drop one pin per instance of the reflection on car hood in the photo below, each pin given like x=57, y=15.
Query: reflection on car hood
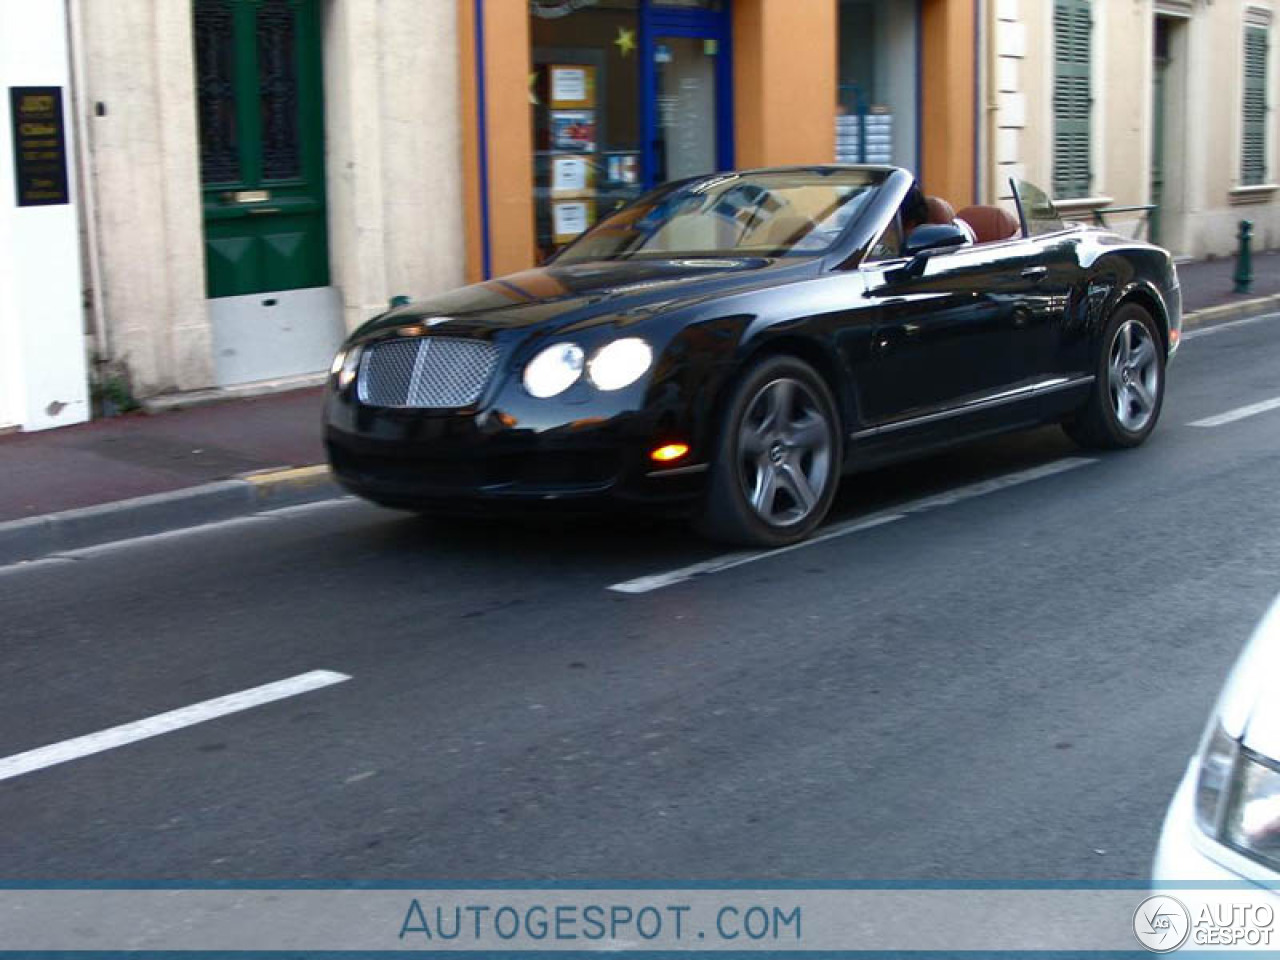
x=1250, y=704
x=566, y=297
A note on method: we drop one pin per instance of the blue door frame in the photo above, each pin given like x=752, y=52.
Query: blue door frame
x=657, y=21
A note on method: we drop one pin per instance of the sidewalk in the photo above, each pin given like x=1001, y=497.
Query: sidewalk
x=1209, y=283
x=138, y=454
x=190, y=465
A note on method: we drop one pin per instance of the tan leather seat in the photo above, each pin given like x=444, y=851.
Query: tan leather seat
x=991, y=224
x=781, y=230
x=939, y=210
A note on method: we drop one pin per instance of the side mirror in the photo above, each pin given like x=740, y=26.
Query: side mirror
x=932, y=237
x=923, y=242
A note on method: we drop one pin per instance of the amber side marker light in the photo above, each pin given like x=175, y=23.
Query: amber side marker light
x=669, y=453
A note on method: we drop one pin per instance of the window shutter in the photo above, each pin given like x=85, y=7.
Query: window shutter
x=1072, y=97
x=1253, y=151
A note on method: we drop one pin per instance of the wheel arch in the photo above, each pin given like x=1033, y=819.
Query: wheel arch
x=1146, y=297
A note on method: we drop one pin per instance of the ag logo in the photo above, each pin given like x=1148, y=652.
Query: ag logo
x=1161, y=924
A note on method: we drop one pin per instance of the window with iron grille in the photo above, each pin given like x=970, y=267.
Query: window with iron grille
x=1072, y=98
x=1253, y=149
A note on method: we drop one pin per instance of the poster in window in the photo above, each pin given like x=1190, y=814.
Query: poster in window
x=569, y=220
x=623, y=168
x=572, y=86
x=570, y=175
x=573, y=130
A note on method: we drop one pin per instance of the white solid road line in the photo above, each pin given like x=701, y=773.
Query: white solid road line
x=730, y=560
x=92, y=743
x=1239, y=413
x=1229, y=325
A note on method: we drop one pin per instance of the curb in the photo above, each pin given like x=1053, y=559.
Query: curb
x=33, y=538
x=1231, y=311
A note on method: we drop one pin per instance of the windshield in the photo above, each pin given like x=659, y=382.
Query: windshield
x=778, y=214
x=1039, y=215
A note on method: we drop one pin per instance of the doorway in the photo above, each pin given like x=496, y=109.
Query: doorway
x=686, y=86
x=260, y=107
x=1168, y=131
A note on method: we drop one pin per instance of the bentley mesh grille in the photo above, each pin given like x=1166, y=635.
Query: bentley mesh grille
x=426, y=372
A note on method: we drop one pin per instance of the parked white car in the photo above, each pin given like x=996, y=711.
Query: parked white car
x=1224, y=822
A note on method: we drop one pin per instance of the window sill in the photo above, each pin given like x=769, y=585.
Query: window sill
x=1257, y=194
x=1081, y=206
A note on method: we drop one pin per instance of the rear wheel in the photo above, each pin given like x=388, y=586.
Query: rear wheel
x=1128, y=389
x=777, y=463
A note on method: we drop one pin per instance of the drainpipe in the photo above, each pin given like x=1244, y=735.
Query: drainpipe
x=84, y=175
x=991, y=82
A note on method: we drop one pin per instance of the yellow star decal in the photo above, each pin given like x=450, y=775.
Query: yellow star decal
x=625, y=41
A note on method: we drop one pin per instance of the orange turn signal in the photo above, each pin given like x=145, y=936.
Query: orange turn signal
x=669, y=453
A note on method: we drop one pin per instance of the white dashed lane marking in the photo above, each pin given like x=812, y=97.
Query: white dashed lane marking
x=109, y=739
x=1239, y=413
x=728, y=561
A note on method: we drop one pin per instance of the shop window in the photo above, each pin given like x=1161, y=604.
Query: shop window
x=876, y=106
x=1072, y=98
x=585, y=89
x=1253, y=151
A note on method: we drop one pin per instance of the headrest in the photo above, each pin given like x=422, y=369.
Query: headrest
x=939, y=210
x=991, y=224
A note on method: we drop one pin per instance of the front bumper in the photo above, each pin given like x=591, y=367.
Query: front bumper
x=587, y=453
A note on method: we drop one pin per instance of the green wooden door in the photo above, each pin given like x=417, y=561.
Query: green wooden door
x=259, y=86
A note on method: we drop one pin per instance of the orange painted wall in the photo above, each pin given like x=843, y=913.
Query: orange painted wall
x=948, y=91
x=510, y=136
x=784, y=62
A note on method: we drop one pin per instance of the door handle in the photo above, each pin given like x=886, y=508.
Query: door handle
x=1035, y=273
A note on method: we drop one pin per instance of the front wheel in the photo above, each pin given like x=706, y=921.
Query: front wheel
x=777, y=462
x=1128, y=389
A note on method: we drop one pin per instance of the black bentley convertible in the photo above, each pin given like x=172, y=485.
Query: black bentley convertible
x=729, y=346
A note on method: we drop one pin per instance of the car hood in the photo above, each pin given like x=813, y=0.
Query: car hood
x=1249, y=709
x=585, y=294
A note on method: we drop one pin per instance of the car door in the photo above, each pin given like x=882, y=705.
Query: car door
x=965, y=329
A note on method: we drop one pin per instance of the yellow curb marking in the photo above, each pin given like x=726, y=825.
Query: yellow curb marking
x=270, y=478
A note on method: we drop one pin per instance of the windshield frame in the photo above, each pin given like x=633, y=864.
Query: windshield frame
x=858, y=229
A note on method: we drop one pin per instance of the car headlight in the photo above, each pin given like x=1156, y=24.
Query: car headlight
x=1217, y=760
x=620, y=363
x=1252, y=820
x=1238, y=798
x=554, y=370
x=345, y=364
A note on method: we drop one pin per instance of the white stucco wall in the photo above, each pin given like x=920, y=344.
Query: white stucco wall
x=394, y=151
x=143, y=154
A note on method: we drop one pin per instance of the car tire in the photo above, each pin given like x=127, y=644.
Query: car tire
x=1128, y=388
x=778, y=458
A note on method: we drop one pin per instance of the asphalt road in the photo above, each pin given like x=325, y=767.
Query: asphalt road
x=1003, y=686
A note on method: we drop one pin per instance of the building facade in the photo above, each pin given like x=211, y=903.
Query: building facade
x=1160, y=104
